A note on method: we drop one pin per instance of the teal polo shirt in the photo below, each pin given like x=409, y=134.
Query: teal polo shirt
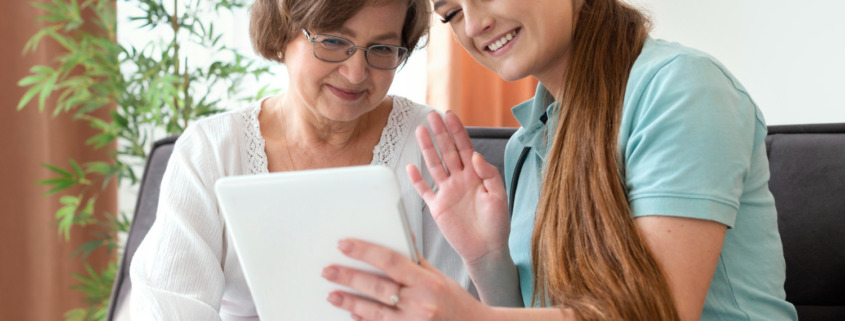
x=692, y=145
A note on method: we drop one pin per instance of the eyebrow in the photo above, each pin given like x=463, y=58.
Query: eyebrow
x=438, y=4
x=381, y=37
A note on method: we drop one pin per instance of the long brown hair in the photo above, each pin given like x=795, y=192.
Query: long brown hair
x=587, y=253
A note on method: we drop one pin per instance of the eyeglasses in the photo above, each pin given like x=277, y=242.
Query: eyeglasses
x=336, y=49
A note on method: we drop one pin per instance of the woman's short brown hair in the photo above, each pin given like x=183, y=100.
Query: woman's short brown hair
x=274, y=23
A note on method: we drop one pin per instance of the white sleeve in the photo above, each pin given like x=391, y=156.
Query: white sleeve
x=177, y=270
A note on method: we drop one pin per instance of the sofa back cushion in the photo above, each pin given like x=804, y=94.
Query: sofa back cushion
x=807, y=164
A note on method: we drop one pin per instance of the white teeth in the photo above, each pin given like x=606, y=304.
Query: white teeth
x=501, y=42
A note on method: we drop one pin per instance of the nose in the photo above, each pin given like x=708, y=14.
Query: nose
x=355, y=69
x=477, y=20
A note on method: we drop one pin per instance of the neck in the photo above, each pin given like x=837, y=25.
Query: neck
x=552, y=77
x=304, y=127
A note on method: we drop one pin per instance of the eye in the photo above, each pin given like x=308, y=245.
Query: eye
x=384, y=50
x=333, y=43
x=449, y=15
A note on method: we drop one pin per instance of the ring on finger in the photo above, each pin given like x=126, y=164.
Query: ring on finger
x=394, y=299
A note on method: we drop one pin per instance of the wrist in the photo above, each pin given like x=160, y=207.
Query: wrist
x=496, y=279
x=491, y=269
x=499, y=257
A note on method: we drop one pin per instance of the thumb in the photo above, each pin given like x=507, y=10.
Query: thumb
x=424, y=263
x=489, y=175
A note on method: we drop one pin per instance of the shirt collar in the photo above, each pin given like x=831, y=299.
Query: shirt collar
x=533, y=116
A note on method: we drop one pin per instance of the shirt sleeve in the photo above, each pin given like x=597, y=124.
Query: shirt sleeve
x=177, y=270
x=690, y=143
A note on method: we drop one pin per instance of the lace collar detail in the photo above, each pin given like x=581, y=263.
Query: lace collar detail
x=255, y=159
x=385, y=153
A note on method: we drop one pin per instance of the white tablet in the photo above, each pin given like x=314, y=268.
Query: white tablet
x=285, y=228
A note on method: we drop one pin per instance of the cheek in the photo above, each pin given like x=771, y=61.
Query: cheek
x=461, y=37
x=383, y=80
x=469, y=47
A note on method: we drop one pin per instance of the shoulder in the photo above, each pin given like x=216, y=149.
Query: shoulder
x=219, y=131
x=415, y=112
x=664, y=65
x=223, y=123
x=671, y=80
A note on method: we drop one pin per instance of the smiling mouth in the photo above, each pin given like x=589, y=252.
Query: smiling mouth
x=346, y=94
x=501, y=42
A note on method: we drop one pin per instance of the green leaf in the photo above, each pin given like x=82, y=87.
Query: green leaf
x=98, y=167
x=99, y=124
x=40, y=69
x=77, y=314
x=69, y=200
x=28, y=96
x=60, y=187
x=85, y=215
x=119, y=119
x=29, y=80
x=65, y=217
x=53, y=181
x=87, y=248
x=66, y=42
x=57, y=170
x=76, y=168
x=100, y=140
x=46, y=90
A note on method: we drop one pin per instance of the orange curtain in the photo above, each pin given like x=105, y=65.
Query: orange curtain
x=36, y=266
x=458, y=83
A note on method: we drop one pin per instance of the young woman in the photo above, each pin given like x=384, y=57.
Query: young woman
x=341, y=57
x=639, y=175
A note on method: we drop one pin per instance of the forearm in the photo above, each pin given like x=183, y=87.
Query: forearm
x=497, y=280
x=522, y=314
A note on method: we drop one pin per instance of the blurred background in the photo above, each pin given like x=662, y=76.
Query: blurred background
x=787, y=54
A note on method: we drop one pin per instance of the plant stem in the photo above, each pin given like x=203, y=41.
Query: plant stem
x=186, y=112
x=174, y=23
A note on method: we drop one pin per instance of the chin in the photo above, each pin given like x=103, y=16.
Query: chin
x=510, y=74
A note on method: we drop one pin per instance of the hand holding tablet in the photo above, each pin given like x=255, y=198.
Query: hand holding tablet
x=286, y=228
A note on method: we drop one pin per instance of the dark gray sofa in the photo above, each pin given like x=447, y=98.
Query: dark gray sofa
x=807, y=163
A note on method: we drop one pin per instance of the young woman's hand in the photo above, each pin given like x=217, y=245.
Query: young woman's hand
x=409, y=292
x=470, y=205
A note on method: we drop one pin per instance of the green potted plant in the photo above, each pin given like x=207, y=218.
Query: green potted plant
x=151, y=92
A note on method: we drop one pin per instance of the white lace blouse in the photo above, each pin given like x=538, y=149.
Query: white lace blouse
x=186, y=267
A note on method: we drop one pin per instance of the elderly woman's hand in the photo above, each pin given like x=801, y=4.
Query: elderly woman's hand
x=470, y=205
x=409, y=292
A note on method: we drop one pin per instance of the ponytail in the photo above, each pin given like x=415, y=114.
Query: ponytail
x=587, y=253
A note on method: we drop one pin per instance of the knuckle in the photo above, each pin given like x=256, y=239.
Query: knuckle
x=349, y=303
x=380, y=287
x=390, y=261
x=344, y=275
x=380, y=314
x=429, y=312
x=435, y=285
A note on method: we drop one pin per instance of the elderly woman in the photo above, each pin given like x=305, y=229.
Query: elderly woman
x=342, y=56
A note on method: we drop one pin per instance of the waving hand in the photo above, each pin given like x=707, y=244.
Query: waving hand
x=470, y=205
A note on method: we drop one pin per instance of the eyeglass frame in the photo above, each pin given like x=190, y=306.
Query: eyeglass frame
x=351, y=51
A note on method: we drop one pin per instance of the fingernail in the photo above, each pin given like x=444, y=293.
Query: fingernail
x=335, y=299
x=330, y=273
x=345, y=246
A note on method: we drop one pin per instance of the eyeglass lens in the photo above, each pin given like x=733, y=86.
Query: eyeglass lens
x=335, y=49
